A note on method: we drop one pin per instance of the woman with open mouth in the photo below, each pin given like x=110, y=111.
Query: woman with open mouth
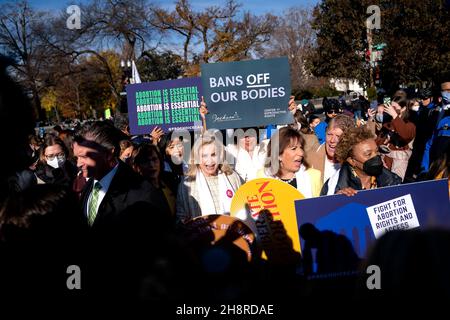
x=210, y=182
x=285, y=161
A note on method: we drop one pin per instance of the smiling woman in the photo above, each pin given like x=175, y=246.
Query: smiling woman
x=210, y=182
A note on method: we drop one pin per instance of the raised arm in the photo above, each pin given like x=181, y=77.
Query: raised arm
x=203, y=113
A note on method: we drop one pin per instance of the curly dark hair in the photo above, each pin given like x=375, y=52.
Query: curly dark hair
x=351, y=137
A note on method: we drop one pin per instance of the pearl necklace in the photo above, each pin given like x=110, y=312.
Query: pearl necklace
x=287, y=181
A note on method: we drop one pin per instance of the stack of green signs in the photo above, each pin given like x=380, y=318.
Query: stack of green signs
x=149, y=107
x=177, y=105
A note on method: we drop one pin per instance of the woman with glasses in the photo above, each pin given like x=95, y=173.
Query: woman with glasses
x=53, y=166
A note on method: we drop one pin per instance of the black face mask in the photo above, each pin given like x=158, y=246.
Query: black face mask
x=386, y=117
x=373, y=166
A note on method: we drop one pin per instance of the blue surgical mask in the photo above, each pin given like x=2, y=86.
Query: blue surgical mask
x=379, y=117
x=431, y=105
x=445, y=97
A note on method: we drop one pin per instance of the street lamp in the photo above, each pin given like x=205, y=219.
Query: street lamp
x=126, y=79
x=126, y=69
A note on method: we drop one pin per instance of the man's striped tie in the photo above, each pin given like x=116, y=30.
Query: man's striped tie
x=92, y=212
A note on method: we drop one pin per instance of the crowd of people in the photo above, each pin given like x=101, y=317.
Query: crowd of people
x=117, y=203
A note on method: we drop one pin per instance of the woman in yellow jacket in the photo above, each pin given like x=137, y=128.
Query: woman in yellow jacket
x=285, y=162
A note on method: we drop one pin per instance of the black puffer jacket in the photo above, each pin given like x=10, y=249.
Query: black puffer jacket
x=347, y=179
x=61, y=176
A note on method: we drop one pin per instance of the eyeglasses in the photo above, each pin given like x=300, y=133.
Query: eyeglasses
x=50, y=157
x=332, y=112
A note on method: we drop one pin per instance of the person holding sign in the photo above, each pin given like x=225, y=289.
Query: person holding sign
x=210, y=182
x=287, y=163
x=362, y=167
x=248, y=154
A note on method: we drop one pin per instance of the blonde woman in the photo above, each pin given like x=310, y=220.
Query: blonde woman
x=209, y=184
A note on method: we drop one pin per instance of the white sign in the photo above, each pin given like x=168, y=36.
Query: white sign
x=395, y=214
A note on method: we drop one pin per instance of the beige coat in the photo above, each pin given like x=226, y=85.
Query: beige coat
x=316, y=160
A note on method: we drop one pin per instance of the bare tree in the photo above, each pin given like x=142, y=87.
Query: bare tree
x=18, y=40
x=125, y=23
x=238, y=39
x=294, y=38
x=181, y=21
x=216, y=33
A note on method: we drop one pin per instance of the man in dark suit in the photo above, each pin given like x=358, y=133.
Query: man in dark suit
x=127, y=215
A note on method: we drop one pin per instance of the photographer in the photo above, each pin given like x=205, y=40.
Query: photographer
x=395, y=136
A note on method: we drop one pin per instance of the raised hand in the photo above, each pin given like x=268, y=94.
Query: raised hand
x=389, y=109
x=203, y=109
x=292, y=107
x=371, y=113
x=156, y=134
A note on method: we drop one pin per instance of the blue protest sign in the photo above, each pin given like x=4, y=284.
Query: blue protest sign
x=247, y=93
x=369, y=214
x=169, y=104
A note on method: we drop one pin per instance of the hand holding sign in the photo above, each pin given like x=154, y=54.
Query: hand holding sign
x=292, y=105
x=203, y=109
x=349, y=192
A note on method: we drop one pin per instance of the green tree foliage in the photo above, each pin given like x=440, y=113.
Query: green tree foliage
x=418, y=41
x=341, y=40
x=415, y=33
x=155, y=66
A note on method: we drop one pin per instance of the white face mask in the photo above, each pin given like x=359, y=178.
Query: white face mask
x=415, y=108
x=57, y=162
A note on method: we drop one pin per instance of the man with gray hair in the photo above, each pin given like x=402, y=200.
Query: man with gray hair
x=323, y=158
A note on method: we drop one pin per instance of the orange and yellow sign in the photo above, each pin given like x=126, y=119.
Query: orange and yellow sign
x=267, y=206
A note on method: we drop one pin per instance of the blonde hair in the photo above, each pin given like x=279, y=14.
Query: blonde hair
x=194, y=160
